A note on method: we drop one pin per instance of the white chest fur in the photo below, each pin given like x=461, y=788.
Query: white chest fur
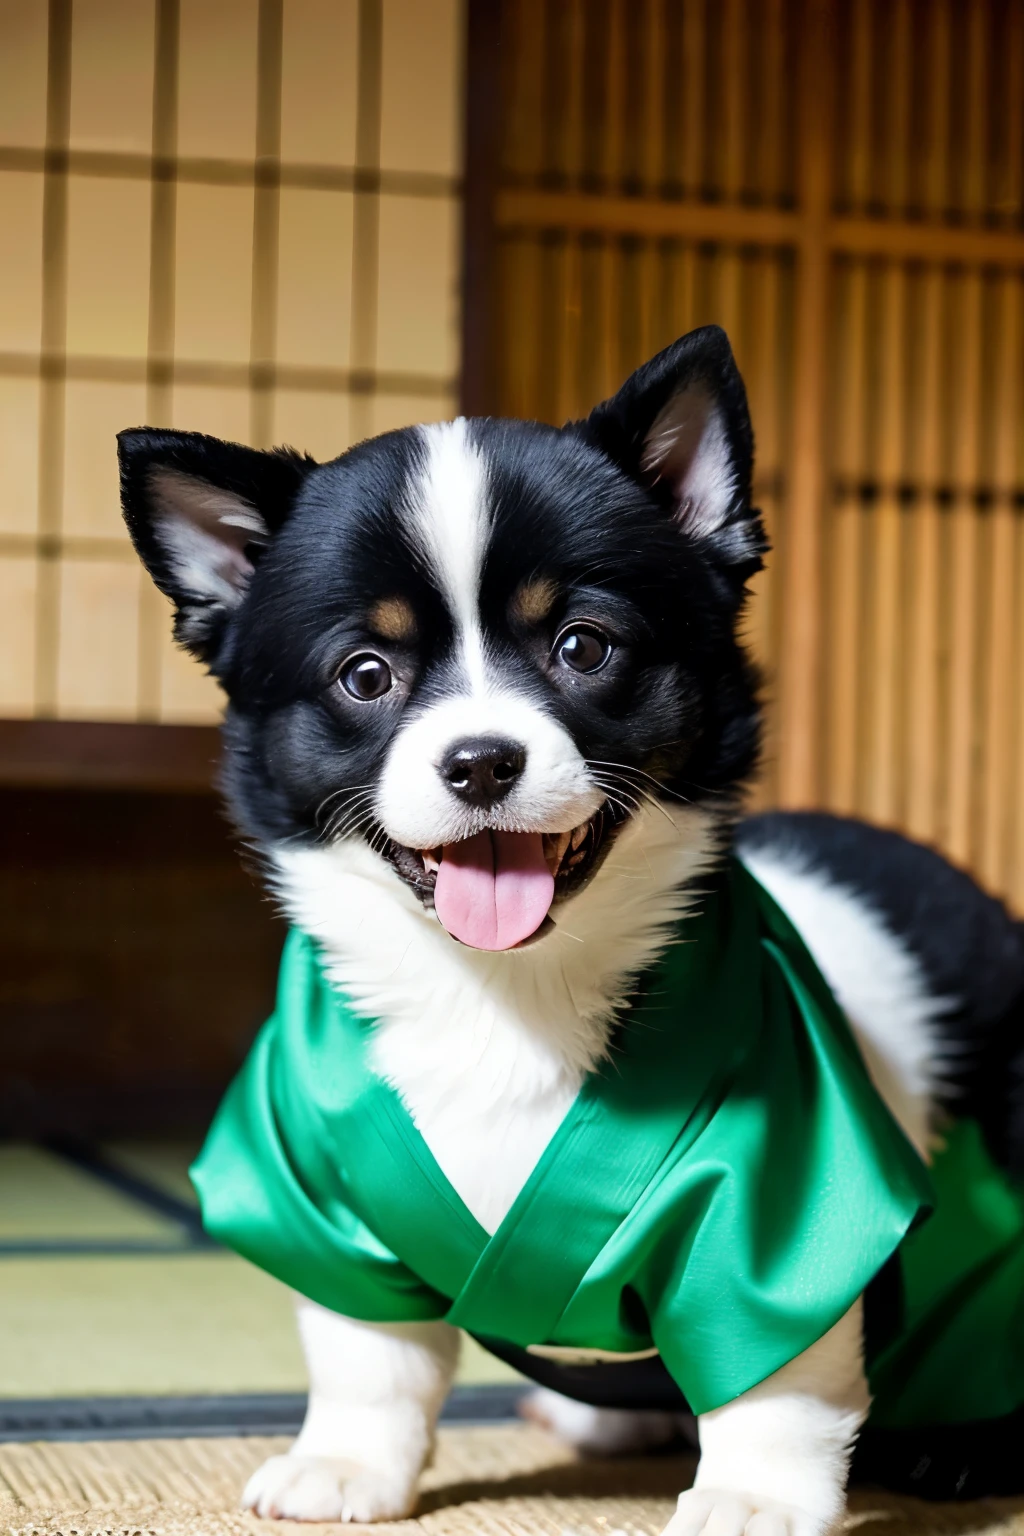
x=489, y=1050
x=486, y=1141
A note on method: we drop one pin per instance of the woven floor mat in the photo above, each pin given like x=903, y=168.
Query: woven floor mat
x=487, y=1481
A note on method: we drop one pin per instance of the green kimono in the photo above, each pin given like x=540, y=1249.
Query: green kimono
x=721, y=1191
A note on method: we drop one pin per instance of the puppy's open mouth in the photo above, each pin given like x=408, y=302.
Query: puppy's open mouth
x=495, y=890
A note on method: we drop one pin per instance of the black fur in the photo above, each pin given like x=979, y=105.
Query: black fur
x=970, y=950
x=677, y=701
x=267, y=481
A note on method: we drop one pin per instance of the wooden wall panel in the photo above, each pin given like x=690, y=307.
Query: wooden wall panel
x=839, y=183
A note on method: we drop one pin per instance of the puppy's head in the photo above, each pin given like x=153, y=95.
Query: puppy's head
x=478, y=646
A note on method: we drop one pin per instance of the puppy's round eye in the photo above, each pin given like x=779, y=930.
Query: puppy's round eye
x=584, y=648
x=366, y=677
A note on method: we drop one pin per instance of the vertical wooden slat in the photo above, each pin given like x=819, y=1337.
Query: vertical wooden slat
x=654, y=95
x=938, y=74
x=861, y=68
x=366, y=213
x=652, y=338
x=898, y=108
x=763, y=359
x=880, y=777
x=1016, y=880
x=996, y=817
x=765, y=389
x=266, y=220
x=694, y=99
x=845, y=649
x=963, y=602
x=923, y=678
x=610, y=261
x=684, y=289
x=881, y=764
x=520, y=313
x=733, y=96
x=965, y=438
x=572, y=85
x=566, y=362
x=160, y=337
x=1011, y=193
x=53, y=340
x=764, y=613
x=609, y=314
x=845, y=652
x=524, y=119
x=731, y=91
x=976, y=70
x=799, y=671
x=482, y=255
x=768, y=138
x=615, y=95
x=923, y=745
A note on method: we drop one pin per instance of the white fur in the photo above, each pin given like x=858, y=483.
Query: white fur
x=374, y=1397
x=781, y=1451
x=876, y=980
x=523, y=1026
x=554, y=793
x=448, y=515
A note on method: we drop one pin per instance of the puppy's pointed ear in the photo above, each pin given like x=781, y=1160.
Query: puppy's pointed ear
x=680, y=426
x=200, y=512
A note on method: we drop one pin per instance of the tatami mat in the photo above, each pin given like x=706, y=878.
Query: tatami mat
x=103, y=1294
x=487, y=1481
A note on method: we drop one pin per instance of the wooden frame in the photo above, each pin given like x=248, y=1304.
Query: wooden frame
x=481, y=126
x=72, y=754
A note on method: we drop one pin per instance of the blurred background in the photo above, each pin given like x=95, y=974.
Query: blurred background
x=307, y=221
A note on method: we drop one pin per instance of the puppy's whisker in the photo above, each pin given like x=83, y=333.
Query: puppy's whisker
x=641, y=773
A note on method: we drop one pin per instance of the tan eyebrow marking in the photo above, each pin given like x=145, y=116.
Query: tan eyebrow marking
x=393, y=619
x=534, y=600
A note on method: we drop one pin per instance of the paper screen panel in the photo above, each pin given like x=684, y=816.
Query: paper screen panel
x=184, y=284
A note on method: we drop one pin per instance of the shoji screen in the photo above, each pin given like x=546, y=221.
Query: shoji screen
x=840, y=185
x=234, y=216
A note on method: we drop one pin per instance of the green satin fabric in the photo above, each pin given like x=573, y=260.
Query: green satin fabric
x=958, y=1354
x=722, y=1189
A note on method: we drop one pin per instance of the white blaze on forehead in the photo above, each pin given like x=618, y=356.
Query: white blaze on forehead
x=449, y=519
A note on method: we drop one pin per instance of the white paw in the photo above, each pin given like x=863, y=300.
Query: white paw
x=326, y=1488
x=718, y=1512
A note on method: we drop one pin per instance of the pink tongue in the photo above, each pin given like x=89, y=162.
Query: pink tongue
x=494, y=889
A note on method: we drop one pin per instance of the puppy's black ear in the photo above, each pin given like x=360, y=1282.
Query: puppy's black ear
x=200, y=512
x=680, y=425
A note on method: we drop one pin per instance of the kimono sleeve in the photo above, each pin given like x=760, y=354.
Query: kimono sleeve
x=267, y=1190
x=793, y=1197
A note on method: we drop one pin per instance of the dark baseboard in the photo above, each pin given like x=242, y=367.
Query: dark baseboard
x=172, y=1418
x=86, y=754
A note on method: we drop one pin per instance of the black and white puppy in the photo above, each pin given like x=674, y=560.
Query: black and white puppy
x=498, y=636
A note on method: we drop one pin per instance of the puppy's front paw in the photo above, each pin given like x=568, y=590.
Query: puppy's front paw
x=326, y=1488
x=718, y=1512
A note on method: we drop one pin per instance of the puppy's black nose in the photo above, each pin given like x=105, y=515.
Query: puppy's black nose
x=482, y=769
